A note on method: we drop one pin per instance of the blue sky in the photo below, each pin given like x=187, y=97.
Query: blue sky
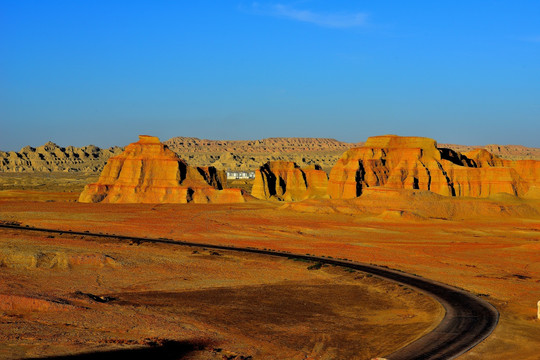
x=102, y=72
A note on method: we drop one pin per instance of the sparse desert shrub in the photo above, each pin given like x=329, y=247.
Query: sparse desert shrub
x=315, y=266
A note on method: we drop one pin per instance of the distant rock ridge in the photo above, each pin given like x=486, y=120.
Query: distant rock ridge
x=221, y=154
x=507, y=152
x=250, y=154
x=279, y=144
x=51, y=157
x=148, y=172
x=396, y=162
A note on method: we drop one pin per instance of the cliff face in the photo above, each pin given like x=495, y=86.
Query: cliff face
x=285, y=180
x=416, y=163
x=148, y=172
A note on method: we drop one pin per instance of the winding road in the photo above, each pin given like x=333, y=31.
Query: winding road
x=467, y=322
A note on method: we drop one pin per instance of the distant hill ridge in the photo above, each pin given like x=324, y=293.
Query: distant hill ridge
x=51, y=157
x=508, y=152
x=223, y=154
x=276, y=144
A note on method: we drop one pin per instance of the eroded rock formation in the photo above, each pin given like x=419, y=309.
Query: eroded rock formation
x=416, y=163
x=285, y=180
x=250, y=154
x=51, y=157
x=148, y=172
x=221, y=154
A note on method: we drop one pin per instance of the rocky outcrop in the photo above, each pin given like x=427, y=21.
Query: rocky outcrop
x=396, y=162
x=249, y=154
x=148, y=172
x=51, y=157
x=483, y=158
x=528, y=170
x=316, y=180
x=221, y=154
x=285, y=180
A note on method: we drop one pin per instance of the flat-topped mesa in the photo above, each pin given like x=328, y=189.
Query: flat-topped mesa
x=148, y=172
x=373, y=165
x=147, y=139
x=423, y=145
x=416, y=163
x=285, y=180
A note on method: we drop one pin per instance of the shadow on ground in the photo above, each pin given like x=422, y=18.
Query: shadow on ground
x=170, y=350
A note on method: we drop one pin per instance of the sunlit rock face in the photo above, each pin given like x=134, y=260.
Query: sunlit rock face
x=148, y=172
x=397, y=162
x=285, y=180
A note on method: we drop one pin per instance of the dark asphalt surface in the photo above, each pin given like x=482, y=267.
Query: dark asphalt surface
x=467, y=322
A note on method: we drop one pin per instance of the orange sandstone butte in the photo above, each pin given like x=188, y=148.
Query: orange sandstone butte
x=149, y=172
x=397, y=162
x=285, y=180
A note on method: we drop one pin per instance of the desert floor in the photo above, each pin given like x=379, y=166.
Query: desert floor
x=66, y=294
x=496, y=258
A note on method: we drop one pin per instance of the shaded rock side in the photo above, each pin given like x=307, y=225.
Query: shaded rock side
x=285, y=180
x=416, y=163
x=148, y=172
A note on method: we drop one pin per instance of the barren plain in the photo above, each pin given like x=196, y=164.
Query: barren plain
x=65, y=294
x=492, y=257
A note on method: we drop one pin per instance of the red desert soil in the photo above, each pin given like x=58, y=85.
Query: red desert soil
x=497, y=258
x=64, y=294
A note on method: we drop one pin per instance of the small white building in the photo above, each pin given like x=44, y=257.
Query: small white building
x=244, y=175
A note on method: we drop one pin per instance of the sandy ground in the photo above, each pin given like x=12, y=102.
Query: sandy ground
x=70, y=183
x=498, y=259
x=63, y=294
x=47, y=182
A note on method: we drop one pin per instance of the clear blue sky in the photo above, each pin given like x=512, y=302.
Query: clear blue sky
x=101, y=72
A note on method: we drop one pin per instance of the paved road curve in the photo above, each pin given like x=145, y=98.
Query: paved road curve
x=468, y=319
